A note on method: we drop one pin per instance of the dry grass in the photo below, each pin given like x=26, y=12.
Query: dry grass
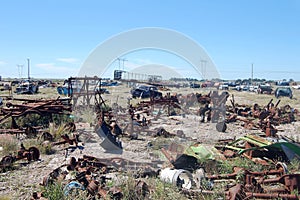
x=8, y=144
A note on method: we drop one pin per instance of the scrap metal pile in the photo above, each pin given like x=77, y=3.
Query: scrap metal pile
x=270, y=184
x=262, y=150
x=26, y=106
x=261, y=117
x=93, y=175
x=135, y=117
x=242, y=183
x=103, y=177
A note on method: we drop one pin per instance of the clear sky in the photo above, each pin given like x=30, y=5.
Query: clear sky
x=58, y=35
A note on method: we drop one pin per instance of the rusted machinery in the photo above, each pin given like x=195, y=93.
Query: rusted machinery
x=26, y=107
x=261, y=117
x=31, y=154
x=245, y=184
x=262, y=150
x=81, y=90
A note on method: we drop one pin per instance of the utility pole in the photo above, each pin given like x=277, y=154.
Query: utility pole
x=251, y=73
x=119, y=59
x=28, y=64
x=20, y=70
x=203, y=68
x=123, y=62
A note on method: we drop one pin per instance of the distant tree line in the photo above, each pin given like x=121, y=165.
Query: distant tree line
x=184, y=79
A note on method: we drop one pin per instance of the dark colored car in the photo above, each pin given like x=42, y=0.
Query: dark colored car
x=194, y=85
x=282, y=83
x=264, y=89
x=144, y=91
x=284, y=91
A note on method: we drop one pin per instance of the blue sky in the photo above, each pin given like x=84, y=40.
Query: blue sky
x=58, y=36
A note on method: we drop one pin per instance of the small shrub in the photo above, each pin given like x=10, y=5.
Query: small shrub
x=58, y=131
x=54, y=191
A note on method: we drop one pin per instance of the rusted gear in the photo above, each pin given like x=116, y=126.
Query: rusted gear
x=7, y=161
x=34, y=154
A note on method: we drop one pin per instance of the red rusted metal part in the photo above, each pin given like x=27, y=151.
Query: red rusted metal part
x=235, y=192
x=252, y=185
x=31, y=154
x=92, y=188
x=67, y=139
x=228, y=153
x=237, y=170
x=291, y=182
x=7, y=161
x=271, y=196
x=168, y=156
x=268, y=116
x=41, y=107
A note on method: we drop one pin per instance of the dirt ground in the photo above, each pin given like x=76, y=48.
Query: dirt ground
x=23, y=181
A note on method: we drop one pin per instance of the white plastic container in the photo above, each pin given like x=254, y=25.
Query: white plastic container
x=178, y=177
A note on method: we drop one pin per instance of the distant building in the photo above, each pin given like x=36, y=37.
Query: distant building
x=117, y=74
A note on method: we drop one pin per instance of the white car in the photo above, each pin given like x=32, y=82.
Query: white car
x=223, y=87
x=297, y=87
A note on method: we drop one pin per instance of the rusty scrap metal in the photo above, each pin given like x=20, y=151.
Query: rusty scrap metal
x=91, y=175
x=261, y=149
x=261, y=117
x=67, y=140
x=40, y=107
x=256, y=184
x=31, y=154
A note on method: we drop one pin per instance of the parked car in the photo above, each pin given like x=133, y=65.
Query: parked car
x=245, y=87
x=194, y=85
x=297, y=87
x=145, y=91
x=231, y=84
x=264, y=89
x=284, y=91
x=282, y=83
x=223, y=87
x=27, y=87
